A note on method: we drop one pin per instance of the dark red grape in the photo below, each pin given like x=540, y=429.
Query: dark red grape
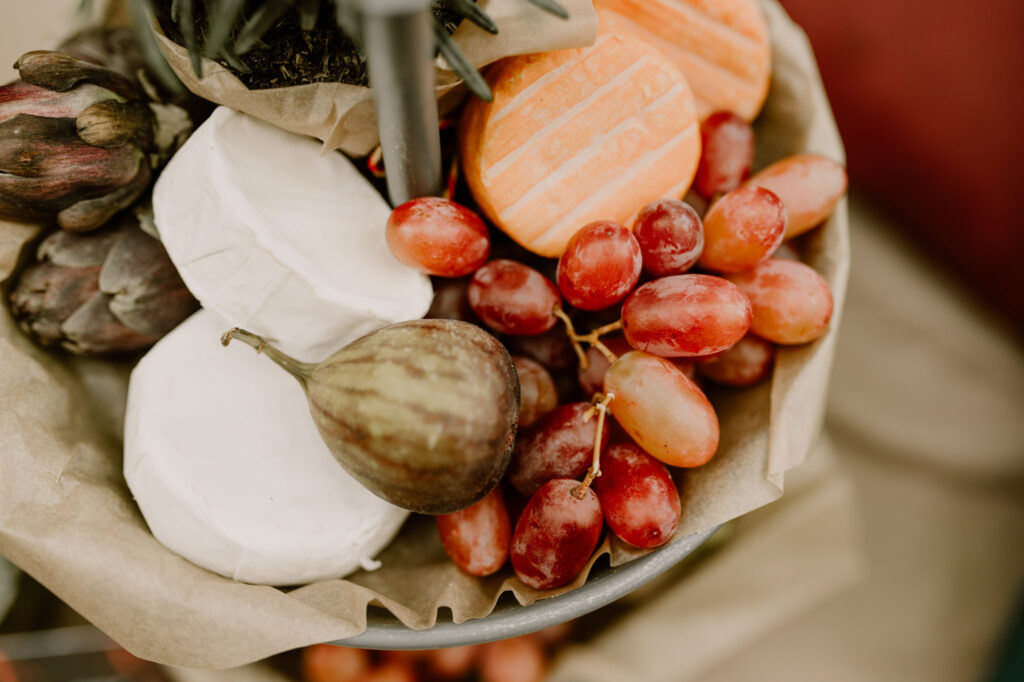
x=559, y=445
x=685, y=315
x=477, y=538
x=438, y=237
x=512, y=298
x=670, y=236
x=600, y=265
x=638, y=498
x=727, y=153
x=537, y=392
x=556, y=534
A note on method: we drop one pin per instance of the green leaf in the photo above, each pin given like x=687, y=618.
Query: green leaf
x=551, y=6
x=461, y=65
x=223, y=16
x=259, y=23
x=308, y=12
x=468, y=9
x=188, y=30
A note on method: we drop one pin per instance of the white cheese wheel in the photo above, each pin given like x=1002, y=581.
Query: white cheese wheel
x=229, y=470
x=279, y=239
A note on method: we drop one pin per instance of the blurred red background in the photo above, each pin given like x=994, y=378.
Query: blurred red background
x=929, y=97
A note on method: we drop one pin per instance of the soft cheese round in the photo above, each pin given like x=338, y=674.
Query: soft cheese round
x=721, y=46
x=224, y=460
x=575, y=136
x=280, y=239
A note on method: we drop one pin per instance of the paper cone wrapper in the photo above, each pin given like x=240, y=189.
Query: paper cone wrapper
x=67, y=518
x=342, y=115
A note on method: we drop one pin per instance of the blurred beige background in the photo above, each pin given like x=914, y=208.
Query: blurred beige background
x=899, y=546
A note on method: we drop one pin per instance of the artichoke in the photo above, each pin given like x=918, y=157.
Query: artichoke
x=110, y=291
x=78, y=141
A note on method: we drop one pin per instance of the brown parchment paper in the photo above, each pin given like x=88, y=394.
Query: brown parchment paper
x=342, y=115
x=67, y=518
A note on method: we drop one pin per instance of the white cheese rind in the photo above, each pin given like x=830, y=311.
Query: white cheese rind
x=281, y=240
x=229, y=470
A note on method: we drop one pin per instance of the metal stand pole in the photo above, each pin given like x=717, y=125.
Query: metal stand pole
x=399, y=43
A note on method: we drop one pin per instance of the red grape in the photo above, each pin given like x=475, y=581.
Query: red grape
x=809, y=186
x=745, y=363
x=685, y=315
x=329, y=663
x=558, y=445
x=450, y=302
x=438, y=237
x=513, y=298
x=639, y=500
x=551, y=349
x=791, y=302
x=663, y=411
x=519, y=659
x=477, y=537
x=600, y=265
x=452, y=662
x=670, y=236
x=592, y=378
x=727, y=153
x=392, y=670
x=537, y=392
x=742, y=229
x=556, y=534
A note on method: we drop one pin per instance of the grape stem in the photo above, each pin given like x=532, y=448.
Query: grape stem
x=601, y=408
x=593, y=338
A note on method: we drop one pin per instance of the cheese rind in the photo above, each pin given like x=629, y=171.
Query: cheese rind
x=576, y=136
x=229, y=471
x=281, y=240
x=721, y=46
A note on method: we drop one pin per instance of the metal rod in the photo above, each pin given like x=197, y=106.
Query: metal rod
x=399, y=42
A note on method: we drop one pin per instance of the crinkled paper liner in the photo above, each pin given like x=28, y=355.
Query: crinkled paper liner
x=67, y=518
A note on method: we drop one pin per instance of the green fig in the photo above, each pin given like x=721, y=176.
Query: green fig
x=422, y=413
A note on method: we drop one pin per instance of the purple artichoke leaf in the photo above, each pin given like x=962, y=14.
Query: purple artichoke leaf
x=92, y=213
x=46, y=295
x=50, y=150
x=111, y=123
x=93, y=330
x=62, y=72
x=115, y=48
x=76, y=250
x=34, y=146
x=20, y=97
x=148, y=294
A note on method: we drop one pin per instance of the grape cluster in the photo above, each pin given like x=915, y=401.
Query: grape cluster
x=691, y=292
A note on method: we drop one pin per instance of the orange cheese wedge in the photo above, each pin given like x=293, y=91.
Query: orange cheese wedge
x=575, y=136
x=721, y=46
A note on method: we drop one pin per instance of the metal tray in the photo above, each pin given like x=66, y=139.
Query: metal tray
x=604, y=586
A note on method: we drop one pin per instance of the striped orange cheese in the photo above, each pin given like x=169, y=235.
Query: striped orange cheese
x=580, y=135
x=721, y=46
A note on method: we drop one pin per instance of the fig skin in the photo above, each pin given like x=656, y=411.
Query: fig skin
x=423, y=413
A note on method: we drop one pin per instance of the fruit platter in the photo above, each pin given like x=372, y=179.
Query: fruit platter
x=251, y=405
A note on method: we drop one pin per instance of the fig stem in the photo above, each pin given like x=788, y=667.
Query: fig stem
x=299, y=370
x=593, y=338
x=601, y=407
